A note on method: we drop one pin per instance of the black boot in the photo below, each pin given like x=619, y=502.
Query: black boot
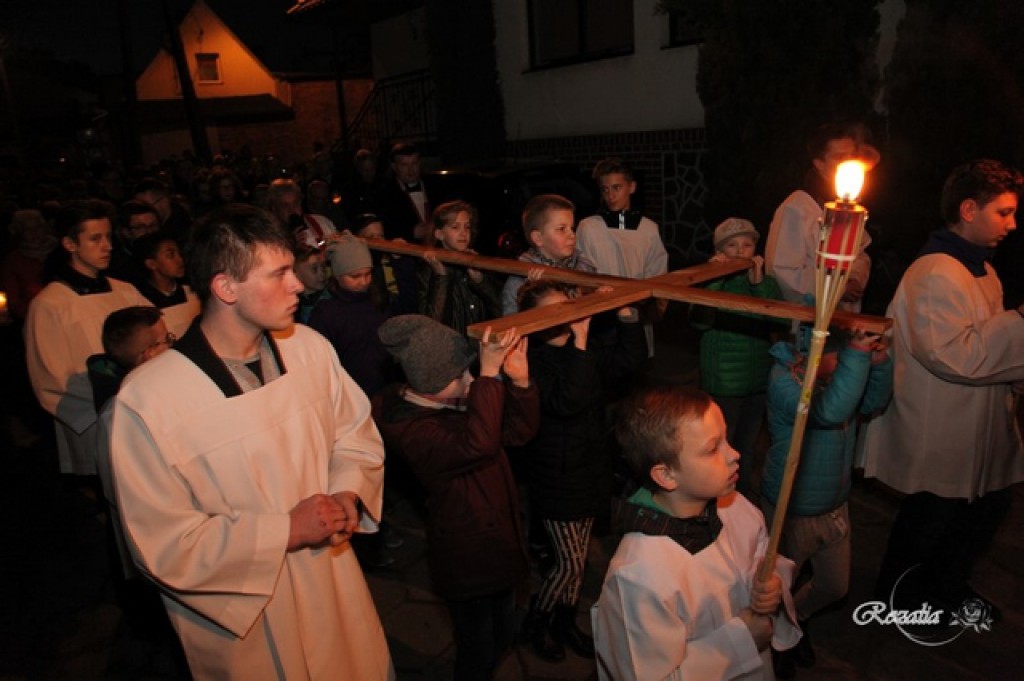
x=537, y=632
x=803, y=652
x=783, y=664
x=565, y=630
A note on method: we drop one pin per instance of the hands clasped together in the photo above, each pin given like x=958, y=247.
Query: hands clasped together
x=323, y=518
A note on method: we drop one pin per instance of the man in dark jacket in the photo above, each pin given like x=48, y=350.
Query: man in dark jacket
x=404, y=203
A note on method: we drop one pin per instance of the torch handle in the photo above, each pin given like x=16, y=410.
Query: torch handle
x=793, y=456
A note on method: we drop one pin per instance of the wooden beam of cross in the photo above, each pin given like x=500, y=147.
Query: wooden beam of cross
x=677, y=285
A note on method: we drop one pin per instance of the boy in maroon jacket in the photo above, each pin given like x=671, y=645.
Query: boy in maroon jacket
x=451, y=429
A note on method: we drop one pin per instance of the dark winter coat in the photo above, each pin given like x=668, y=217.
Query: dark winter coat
x=474, y=529
x=734, y=359
x=350, y=321
x=454, y=299
x=569, y=463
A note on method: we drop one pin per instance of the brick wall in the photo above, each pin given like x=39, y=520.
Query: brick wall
x=669, y=165
x=315, y=104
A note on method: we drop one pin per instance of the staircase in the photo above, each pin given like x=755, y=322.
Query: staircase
x=398, y=109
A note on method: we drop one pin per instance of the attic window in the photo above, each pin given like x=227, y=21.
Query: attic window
x=208, y=67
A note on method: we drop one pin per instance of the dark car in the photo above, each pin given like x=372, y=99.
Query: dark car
x=500, y=193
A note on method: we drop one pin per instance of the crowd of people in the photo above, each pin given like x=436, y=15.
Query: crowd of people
x=247, y=473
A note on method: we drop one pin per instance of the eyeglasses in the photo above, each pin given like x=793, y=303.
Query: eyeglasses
x=169, y=340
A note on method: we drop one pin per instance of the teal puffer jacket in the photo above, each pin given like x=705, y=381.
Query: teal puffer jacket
x=734, y=359
x=826, y=461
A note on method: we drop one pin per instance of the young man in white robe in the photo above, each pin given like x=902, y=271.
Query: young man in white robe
x=681, y=599
x=619, y=240
x=949, y=439
x=64, y=328
x=243, y=460
x=794, y=232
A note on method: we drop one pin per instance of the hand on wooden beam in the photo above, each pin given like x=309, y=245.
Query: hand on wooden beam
x=676, y=285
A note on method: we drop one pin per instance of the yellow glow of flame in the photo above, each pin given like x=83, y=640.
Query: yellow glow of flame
x=849, y=180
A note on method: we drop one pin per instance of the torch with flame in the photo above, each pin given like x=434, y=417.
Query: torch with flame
x=842, y=233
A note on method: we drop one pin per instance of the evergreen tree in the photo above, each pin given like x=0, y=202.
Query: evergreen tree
x=953, y=93
x=770, y=71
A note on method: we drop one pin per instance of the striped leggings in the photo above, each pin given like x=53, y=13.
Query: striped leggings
x=562, y=584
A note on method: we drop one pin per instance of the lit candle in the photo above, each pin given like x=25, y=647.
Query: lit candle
x=844, y=218
x=4, y=315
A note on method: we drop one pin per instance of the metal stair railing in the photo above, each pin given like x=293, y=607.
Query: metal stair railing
x=400, y=108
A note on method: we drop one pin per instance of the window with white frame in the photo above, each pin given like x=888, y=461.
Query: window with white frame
x=208, y=67
x=570, y=31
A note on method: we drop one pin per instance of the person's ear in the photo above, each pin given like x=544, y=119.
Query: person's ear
x=664, y=477
x=632, y=187
x=224, y=288
x=536, y=238
x=819, y=165
x=150, y=264
x=437, y=235
x=69, y=244
x=968, y=210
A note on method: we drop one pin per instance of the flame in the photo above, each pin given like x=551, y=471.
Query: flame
x=849, y=180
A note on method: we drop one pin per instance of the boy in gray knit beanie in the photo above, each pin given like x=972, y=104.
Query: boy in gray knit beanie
x=452, y=431
x=431, y=354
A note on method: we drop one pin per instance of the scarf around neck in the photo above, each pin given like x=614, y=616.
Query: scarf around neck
x=640, y=513
x=577, y=261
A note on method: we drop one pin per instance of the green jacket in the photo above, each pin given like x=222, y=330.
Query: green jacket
x=734, y=360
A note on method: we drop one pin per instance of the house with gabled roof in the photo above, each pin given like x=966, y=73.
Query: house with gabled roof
x=244, y=100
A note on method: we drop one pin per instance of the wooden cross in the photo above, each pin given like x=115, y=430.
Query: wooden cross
x=678, y=285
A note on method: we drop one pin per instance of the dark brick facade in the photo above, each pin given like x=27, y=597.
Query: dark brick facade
x=669, y=167
x=315, y=105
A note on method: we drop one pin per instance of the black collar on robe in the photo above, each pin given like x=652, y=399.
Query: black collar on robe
x=626, y=219
x=693, y=534
x=80, y=283
x=971, y=256
x=159, y=298
x=198, y=350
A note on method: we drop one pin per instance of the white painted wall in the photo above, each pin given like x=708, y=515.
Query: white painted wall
x=655, y=88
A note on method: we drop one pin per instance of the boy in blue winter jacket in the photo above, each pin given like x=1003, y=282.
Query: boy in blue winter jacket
x=853, y=379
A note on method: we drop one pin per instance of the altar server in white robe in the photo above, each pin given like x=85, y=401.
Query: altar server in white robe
x=64, y=327
x=681, y=599
x=243, y=460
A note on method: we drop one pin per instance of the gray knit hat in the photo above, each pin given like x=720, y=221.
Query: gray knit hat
x=431, y=354
x=731, y=227
x=347, y=253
